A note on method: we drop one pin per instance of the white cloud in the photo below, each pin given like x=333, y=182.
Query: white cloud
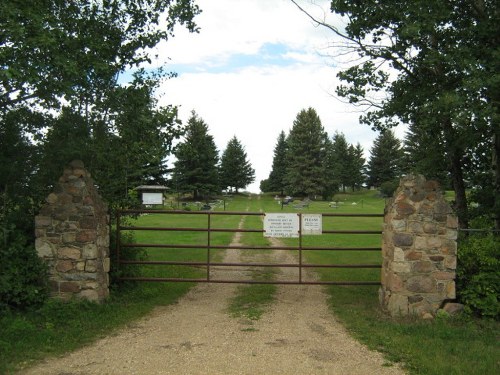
x=257, y=97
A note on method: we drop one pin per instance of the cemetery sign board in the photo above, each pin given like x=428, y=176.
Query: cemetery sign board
x=281, y=225
x=312, y=224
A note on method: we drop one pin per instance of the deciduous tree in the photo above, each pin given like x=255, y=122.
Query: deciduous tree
x=434, y=64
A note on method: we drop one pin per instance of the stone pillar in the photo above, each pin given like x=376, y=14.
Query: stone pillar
x=72, y=236
x=419, y=249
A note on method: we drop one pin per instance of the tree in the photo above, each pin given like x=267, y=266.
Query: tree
x=345, y=168
x=60, y=63
x=264, y=186
x=357, y=166
x=196, y=169
x=342, y=167
x=59, y=53
x=235, y=170
x=306, y=155
x=18, y=157
x=138, y=137
x=385, y=157
x=143, y=133
x=423, y=153
x=277, y=180
x=431, y=64
x=329, y=163
x=75, y=49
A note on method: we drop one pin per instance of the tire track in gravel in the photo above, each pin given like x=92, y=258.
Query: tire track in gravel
x=298, y=335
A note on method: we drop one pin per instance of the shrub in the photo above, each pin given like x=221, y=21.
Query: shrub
x=126, y=253
x=24, y=276
x=388, y=188
x=478, y=275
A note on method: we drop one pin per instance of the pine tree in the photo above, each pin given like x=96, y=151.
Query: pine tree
x=385, y=157
x=357, y=166
x=342, y=167
x=306, y=154
x=424, y=153
x=276, y=181
x=197, y=158
x=235, y=170
x=329, y=162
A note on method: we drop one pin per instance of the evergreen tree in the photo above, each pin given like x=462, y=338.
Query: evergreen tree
x=385, y=156
x=264, y=186
x=278, y=172
x=356, y=167
x=195, y=169
x=329, y=163
x=235, y=170
x=306, y=155
x=424, y=154
x=342, y=167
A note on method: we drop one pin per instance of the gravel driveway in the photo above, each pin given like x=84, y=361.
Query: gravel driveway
x=298, y=335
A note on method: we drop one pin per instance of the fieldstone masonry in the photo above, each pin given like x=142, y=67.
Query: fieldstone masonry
x=419, y=250
x=72, y=236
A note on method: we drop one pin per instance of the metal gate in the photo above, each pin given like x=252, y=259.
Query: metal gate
x=208, y=246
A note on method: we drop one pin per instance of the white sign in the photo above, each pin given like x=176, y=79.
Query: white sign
x=152, y=198
x=312, y=224
x=281, y=225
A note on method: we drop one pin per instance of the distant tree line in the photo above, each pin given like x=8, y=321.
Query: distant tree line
x=200, y=172
x=309, y=163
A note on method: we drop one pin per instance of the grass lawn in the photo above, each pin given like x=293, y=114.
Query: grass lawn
x=442, y=346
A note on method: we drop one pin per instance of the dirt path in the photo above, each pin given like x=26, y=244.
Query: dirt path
x=298, y=335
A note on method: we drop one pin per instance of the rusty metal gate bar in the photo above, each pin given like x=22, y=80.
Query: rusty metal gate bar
x=208, y=264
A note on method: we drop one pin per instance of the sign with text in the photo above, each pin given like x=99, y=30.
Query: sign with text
x=281, y=225
x=152, y=198
x=312, y=224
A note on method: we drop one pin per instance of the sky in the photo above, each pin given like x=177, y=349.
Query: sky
x=254, y=65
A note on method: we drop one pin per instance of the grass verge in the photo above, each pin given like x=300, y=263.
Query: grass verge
x=445, y=345
x=253, y=300
x=60, y=327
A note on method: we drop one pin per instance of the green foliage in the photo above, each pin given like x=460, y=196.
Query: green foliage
x=388, y=188
x=235, y=171
x=75, y=50
x=126, y=253
x=435, y=66
x=478, y=275
x=276, y=180
x=385, y=158
x=305, y=175
x=197, y=158
x=60, y=99
x=424, y=153
x=24, y=279
x=265, y=186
